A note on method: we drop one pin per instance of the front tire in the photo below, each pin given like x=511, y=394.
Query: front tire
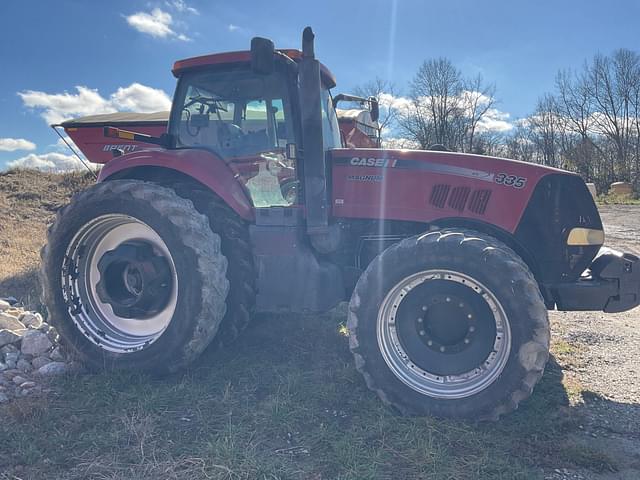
x=134, y=278
x=449, y=323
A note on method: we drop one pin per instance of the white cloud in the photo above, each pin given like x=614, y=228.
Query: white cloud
x=495, y=121
x=182, y=7
x=13, y=144
x=157, y=24
x=57, y=107
x=50, y=162
x=399, y=143
x=60, y=106
x=60, y=146
x=140, y=98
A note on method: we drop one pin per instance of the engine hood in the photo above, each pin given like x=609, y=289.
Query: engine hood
x=431, y=186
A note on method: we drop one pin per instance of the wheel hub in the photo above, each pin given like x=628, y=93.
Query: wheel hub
x=446, y=325
x=134, y=281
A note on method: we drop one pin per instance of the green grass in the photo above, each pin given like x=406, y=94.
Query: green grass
x=285, y=402
x=617, y=200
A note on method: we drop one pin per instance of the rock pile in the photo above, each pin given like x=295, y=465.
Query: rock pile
x=29, y=352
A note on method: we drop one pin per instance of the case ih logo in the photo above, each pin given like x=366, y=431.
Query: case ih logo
x=373, y=162
x=421, y=165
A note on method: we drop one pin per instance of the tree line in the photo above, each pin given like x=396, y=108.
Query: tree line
x=589, y=123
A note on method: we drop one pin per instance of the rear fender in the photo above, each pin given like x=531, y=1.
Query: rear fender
x=201, y=165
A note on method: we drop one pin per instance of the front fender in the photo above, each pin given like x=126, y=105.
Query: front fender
x=201, y=165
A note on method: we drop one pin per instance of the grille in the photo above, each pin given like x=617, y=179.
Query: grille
x=458, y=198
x=439, y=195
x=479, y=201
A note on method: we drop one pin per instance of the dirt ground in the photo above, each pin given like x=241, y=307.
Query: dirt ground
x=604, y=363
x=594, y=356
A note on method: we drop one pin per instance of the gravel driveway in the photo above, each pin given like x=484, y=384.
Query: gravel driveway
x=605, y=365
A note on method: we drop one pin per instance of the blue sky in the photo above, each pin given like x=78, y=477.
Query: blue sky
x=120, y=52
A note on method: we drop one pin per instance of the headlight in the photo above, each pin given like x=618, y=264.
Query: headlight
x=585, y=236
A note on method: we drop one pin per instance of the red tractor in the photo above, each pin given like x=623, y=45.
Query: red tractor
x=250, y=202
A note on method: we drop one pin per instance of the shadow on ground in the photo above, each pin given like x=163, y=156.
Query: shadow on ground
x=284, y=402
x=25, y=287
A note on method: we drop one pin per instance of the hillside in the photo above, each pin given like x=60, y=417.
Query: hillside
x=28, y=202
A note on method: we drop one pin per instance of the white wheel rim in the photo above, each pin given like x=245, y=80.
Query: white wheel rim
x=427, y=383
x=95, y=319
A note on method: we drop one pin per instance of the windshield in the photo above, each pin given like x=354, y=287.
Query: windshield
x=236, y=114
x=330, y=129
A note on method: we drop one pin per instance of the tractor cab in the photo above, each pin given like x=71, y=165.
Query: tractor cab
x=251, y=118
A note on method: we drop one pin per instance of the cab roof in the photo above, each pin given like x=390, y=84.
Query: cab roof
x=244, y=56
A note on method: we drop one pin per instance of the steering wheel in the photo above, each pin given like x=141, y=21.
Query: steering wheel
x=213, y=104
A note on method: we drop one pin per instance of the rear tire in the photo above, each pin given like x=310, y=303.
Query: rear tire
x=134, y=278
x=236, y=247
x=450, y=323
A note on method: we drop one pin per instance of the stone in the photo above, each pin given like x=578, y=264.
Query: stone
x=31, y=320
x=24, y=365
x=18, y=380
x=10, y=300
x=11, y=359
x=3, y=398
x=8, y=337
x=57, y=355
x=53, y=368
x=9, y=349
x=3, y=367
x=4, y=305
x=35, y=343
x=10, y=322
x=28, y=384
x=40, y=362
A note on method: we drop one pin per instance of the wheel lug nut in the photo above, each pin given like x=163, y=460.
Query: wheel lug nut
x=472, y=329
x=442, y=349
x=461, y=305
x=420, y=320
x=430, y=343
x=424, y=308
x=422, y=333
x=466, y=340
x=448, y=299
x=469, y=316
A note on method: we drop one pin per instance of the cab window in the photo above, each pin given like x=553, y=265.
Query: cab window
x=246, y=120
x=330, y=130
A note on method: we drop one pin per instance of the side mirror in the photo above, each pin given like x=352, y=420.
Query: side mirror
x=262, y=61
x=374, y=108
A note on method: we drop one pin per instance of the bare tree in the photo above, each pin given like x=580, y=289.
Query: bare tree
x=478, y=99
x=386, y=93
x=446, y=108
x=436, y=95
x=546, y=130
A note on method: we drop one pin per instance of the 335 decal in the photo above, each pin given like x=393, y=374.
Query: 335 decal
x=510, y=180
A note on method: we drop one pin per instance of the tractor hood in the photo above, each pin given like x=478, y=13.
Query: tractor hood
x=537, y=205
x=425, y=186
